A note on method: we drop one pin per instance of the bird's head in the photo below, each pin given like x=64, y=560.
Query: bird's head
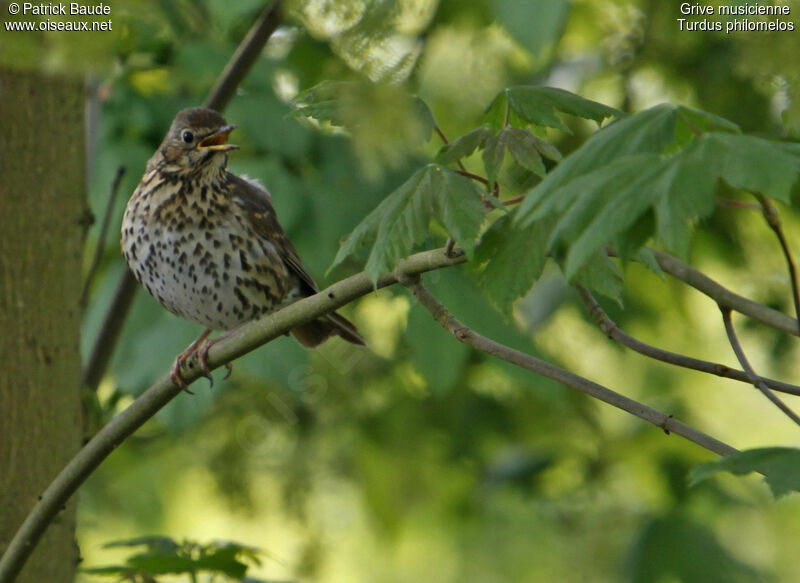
x=197, y=141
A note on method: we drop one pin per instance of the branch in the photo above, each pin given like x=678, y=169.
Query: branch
x=754, y=378
x=246, y=54
x=613, y=331
x=107, y=338
x=245, y=340
x=544, y=368
x=101, y=239
x=235, y=71
x=774, y=221
x=723, y=296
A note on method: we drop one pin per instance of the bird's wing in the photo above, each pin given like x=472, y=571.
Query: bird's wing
x=256, y=202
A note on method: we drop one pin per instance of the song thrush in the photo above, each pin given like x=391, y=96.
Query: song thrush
x=207, y=243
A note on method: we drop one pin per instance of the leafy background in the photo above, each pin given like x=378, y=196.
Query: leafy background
x=419, y=459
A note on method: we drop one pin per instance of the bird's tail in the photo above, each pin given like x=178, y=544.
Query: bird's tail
x=316, y=332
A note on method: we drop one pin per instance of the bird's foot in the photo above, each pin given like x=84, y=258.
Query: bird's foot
x=199, y=348
x=183, y=357
x=202, y=358
x=175, y=372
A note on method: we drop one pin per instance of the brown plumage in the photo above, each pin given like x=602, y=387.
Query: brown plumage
x=207, y=244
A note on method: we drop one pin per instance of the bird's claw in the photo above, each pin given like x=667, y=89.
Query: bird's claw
x=229, y=366
x=202, y=359
x=199, y=348
x=175, y=373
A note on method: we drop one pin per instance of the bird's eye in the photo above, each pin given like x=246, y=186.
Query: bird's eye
x=187, y=136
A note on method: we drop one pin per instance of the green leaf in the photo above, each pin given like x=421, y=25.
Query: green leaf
x=547, y=150
x=538, y=106
x=160, y=543
x=463, y=146
x=780, y=464
x=352, y=104
x=694, y=122
x=509, y=260
x=595, y=207
x=524, y=147
x=634, y=179
x=650, y=131
x=156, y=563
x=535, y=24
x=401, y=220
x=110, y=570
x=687, y=194
x=619, y=194
x=493, y=155
x=223, y=560
x=646, y=257
x=424, y=114
x=674, y=548
x=602, y=275
x=750, y=163
x=321, y=102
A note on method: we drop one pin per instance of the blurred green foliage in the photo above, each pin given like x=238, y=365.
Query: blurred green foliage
x=164, y=556
x=419, y=459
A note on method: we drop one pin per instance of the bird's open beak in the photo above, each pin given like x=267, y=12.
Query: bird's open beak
x=218, y=140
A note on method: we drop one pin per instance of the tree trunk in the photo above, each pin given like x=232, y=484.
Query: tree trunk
x=42, y=223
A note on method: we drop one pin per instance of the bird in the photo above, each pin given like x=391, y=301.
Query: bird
x=207, y=243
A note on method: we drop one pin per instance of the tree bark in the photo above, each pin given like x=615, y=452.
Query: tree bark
x=43, y=218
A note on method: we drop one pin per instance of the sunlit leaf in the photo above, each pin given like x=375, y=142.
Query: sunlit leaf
x=321, y=102
x=751, y=163
x=538, y=106
x=463, y=146
x=781, y=466
x=510, y=259
x=634, y=179
x=547, y=150
x=535, y=24
x=339, y=103
x=156, y=563
x=525, y=148
x=602, y=275
x=493, y=155
x=160, y=543
x=611, y=199
x=401, y=220
x=223, y=560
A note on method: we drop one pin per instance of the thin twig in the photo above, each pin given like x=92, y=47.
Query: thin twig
x=774, y=221
x=544, y=368
x=106, y=341
x=723, y=296
x=738, y=204
x=475, y=177
x=231, y=77
x=613, y=331
x=101, y=240
x=694, y=129
x=245, y=340
x=754, y=378
x=441, y=133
